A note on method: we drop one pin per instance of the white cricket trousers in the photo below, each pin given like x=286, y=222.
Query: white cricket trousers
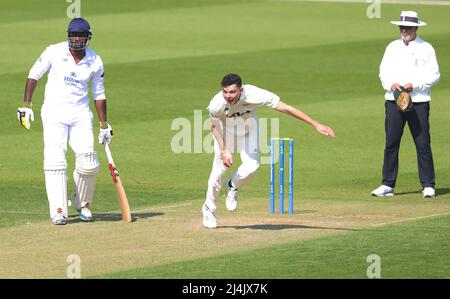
x=248, y=147
x=59, y=128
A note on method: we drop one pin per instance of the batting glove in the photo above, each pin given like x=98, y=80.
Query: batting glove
x=24, y=115
x=105, y=134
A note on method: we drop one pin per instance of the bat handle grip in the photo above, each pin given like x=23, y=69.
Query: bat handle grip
x=108, y=154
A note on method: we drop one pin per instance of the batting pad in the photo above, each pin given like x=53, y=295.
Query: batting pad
x=84, y=176
x=56, y=186
x=87, y=164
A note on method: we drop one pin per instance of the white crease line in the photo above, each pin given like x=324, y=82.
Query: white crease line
x=20, y=212
x=190, y=203
x=428, y=227
x=161, y=208
x=133, y=211
x=418, y=2
x=409, y=219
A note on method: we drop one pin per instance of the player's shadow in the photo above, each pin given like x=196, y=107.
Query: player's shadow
x=439, y=191
x=286, y=226
x=110, y=217
x=442, y=191
x=408, y=192
x=306, y=211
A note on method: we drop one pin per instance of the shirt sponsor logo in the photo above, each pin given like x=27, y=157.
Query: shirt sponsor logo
x=236, y=114
x=70, y=80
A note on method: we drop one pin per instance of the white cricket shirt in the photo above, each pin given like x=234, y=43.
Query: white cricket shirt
x=240, y=117
x=68, y=83
x=415, y=63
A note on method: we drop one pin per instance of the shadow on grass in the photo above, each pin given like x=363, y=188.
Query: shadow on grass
x=439, y=191
x=285, y=226
x=442, y=191
x=114, y=217
x=408, y=192
x=307, y=211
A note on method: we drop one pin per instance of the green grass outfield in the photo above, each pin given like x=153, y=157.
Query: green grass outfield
x=165, y=59
x=405, y=250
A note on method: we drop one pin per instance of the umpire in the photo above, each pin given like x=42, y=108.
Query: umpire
x=408, y=63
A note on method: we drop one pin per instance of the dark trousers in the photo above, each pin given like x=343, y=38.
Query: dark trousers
x=419, y=126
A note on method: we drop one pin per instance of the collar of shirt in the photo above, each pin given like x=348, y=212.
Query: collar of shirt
x=87, y=55
x=243, y=94
x=412, y=43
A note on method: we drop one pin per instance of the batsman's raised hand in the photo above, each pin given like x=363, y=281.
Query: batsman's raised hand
x=24, y=115
x=105, y=134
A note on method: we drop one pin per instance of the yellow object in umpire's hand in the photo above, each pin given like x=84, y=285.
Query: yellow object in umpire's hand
x=403, y=99
x=24, y=115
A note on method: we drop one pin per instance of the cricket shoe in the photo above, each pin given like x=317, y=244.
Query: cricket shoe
x=86, y=215
x=428, y=192
x=232, y=198
x=59, y=219
x=383, y=190
x=209, y=218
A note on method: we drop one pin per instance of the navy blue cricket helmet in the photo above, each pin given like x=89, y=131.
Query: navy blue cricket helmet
x=78, y=27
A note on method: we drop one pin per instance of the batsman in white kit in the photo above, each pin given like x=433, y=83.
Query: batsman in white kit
x=234, y=126
x=66, y=116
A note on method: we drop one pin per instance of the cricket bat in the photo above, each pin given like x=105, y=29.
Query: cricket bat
x=121, y=195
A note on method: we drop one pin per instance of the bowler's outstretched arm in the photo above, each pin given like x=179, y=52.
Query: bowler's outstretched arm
x=288, y=109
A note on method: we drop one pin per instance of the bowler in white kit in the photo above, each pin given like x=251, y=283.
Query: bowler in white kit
x=66, y=117
x=234, y=125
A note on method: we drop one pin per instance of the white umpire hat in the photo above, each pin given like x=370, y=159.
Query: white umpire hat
x=409, y=18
